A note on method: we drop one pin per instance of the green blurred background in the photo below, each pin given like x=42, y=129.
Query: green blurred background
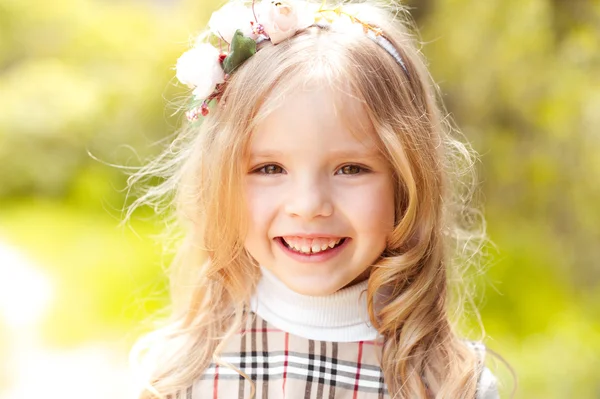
x=84, y=79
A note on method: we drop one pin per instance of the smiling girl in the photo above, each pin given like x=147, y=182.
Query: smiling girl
x=318, y=187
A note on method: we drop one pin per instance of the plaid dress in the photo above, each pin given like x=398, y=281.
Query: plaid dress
x=283, y=365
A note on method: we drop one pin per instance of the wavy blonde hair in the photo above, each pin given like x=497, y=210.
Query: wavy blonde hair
x=437, y=233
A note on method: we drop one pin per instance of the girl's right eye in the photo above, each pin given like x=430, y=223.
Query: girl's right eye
x=269, y=169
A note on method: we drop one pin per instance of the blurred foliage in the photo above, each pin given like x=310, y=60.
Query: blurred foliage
x=82, y=80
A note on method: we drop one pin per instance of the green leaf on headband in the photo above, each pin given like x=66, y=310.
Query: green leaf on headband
x=241, y=49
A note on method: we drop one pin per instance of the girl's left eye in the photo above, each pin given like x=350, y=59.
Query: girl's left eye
x=269, y=169
x=350, y=170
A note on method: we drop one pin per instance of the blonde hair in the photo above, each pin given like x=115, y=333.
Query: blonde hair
x=437, y=234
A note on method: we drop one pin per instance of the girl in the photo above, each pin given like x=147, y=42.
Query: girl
x=325, y=213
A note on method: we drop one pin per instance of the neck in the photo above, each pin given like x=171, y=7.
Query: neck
x=340, y=317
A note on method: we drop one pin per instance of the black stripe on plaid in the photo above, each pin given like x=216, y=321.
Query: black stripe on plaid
x=242, y=366
x=253, y=359
x=322, y=361
x=330, y=361
x=301, y=366
x=265, y=353
x=349, y=371
x=310, y=368
x=334, y=363
x=381, y=387
x=321, y=376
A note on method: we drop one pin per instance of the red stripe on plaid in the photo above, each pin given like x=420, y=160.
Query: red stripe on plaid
x=360, y=347
x=285, y=360
x=216, y=383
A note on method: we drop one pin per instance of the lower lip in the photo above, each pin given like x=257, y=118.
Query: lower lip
x=312, y=258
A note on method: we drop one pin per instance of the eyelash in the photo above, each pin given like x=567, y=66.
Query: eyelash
x=262, y=169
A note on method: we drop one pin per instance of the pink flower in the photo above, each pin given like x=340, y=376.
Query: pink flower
x=281, y=19
x=200, y=68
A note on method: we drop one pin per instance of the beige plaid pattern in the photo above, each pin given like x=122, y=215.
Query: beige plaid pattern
x=283, y=365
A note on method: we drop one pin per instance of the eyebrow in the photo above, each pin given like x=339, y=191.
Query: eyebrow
x=366, y=153
x=348, y=153
x=266, y=154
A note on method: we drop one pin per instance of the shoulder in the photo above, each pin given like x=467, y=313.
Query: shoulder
x=487, y=384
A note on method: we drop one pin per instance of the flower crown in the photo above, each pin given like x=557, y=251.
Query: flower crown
x=206, y=69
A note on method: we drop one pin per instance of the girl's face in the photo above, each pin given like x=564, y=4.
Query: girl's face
x=320, y=198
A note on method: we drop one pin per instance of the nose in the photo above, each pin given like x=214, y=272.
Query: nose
x=309, y=198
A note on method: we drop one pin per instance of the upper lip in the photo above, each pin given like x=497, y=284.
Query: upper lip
x=311, y=235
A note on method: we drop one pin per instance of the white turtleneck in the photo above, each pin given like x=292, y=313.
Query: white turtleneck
x=339, y=317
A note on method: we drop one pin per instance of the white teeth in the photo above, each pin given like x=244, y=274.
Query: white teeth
x=311, y=246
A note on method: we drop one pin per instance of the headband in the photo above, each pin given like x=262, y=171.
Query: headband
x=207, y=69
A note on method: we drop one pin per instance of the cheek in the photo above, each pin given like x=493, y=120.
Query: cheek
x=373, y=209
x=259, y=208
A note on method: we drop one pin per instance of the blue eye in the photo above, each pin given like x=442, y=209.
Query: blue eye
x=270, y=169
x=350, y=170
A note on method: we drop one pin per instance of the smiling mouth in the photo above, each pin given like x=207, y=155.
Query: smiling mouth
x=309, y=246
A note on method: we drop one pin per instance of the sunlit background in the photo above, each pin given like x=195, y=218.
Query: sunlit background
x=82, y=80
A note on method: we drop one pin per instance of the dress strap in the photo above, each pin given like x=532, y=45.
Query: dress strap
x=487, y=384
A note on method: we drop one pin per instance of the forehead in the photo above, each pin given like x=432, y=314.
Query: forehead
x=312, y=120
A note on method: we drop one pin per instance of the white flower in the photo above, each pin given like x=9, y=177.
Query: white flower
x=283, y=18
x=201, y=69
x=231, y=17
